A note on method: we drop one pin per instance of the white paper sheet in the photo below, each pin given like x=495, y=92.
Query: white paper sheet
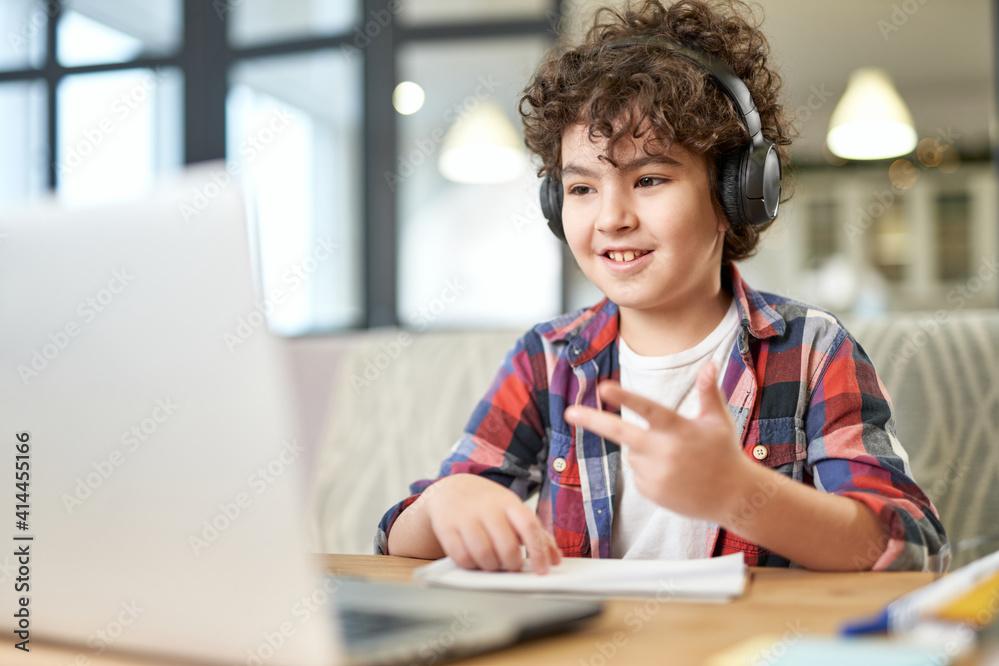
x=710, y=579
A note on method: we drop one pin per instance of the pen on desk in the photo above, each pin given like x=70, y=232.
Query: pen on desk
x=957, y=595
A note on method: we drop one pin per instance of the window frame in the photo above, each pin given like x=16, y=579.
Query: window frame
x=206, y=55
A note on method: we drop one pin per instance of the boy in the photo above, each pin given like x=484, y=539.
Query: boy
x=684, y=415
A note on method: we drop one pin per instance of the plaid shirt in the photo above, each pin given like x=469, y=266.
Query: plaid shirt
x=796, y=383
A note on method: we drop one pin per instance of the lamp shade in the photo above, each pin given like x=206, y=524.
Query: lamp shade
x=482, y=147
x=871, y=121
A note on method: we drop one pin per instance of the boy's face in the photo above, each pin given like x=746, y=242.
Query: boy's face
x=659, y=205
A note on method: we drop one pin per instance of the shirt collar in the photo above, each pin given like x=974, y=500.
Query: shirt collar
x=597, y=326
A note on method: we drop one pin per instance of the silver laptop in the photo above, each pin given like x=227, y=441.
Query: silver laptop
x=162, y=484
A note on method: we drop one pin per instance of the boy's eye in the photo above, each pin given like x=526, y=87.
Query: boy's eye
x=575, y=189
x=644, y=181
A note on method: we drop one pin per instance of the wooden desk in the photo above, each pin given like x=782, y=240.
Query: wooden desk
x=782, y=602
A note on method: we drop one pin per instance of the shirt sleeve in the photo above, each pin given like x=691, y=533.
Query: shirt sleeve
x=853, y=451
x=505, y=438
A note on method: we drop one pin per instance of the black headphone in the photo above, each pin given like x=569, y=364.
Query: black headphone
x=748, y=179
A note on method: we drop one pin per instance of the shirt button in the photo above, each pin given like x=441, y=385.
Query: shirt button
x=760, y=452
x=558, y=465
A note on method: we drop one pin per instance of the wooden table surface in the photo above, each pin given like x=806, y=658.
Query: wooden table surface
x=787, y=603
x=782, y=602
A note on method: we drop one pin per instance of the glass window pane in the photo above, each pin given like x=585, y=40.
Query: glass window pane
x=117, y=132
x=23, y=24
x=822, y=231
x=441, y=11
x=478, y=252
x=294, y=126
x=267, y=20
x=953, y=236
x=889, y=238
x=23, y=160
x=101, y=31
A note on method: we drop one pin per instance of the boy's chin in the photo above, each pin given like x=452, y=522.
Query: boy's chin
x=635, y=299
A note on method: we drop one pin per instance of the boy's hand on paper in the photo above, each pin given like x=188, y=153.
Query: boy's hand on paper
x=480, y=524
x=690, y=466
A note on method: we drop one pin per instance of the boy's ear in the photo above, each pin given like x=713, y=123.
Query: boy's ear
x=723, y=223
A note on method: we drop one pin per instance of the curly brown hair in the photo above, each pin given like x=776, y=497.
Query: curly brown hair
x=641, y=89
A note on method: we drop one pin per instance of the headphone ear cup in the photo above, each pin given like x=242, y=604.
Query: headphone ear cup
x=730, y=186
x=551, y=205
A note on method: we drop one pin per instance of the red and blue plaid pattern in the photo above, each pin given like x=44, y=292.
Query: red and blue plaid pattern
x=796, y=382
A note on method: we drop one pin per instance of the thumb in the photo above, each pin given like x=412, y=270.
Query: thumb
x=712, y=400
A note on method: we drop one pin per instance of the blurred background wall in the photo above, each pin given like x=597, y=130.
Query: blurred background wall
x=382, y=150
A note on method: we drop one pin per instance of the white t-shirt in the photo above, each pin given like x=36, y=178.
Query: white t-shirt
x=642, y=529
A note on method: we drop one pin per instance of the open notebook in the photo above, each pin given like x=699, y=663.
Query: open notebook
x=711, y=579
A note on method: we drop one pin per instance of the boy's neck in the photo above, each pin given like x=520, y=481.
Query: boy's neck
x=665, y=331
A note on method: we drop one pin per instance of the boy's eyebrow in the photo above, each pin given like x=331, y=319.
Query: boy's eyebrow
x=627, y=166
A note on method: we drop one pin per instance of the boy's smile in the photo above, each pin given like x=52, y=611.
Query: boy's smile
x=645, y=229
x=626, y=260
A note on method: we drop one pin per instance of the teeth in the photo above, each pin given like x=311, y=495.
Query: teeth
x=627, y=255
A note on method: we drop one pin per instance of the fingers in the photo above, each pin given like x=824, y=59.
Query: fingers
x=479, y=546
x=608, y=426
x=658, y=416
x=556, y=554
x=712, y=400
x=533, y=536
x=454, y=547
x=495, y=544
x=506, y=544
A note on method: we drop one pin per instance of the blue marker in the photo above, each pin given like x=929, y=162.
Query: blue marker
x=903, y=613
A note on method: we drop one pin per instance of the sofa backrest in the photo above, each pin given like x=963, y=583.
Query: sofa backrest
x=401, y=399
x=942, y=373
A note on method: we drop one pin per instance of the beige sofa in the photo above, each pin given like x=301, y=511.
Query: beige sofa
x=399, y=400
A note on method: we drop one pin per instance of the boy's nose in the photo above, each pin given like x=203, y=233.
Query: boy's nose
x=616, y=216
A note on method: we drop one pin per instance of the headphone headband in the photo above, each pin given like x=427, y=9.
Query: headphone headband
x=729, y=82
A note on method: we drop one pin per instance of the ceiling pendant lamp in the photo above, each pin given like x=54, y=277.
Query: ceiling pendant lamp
x=871, y=121
x=482, y=147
